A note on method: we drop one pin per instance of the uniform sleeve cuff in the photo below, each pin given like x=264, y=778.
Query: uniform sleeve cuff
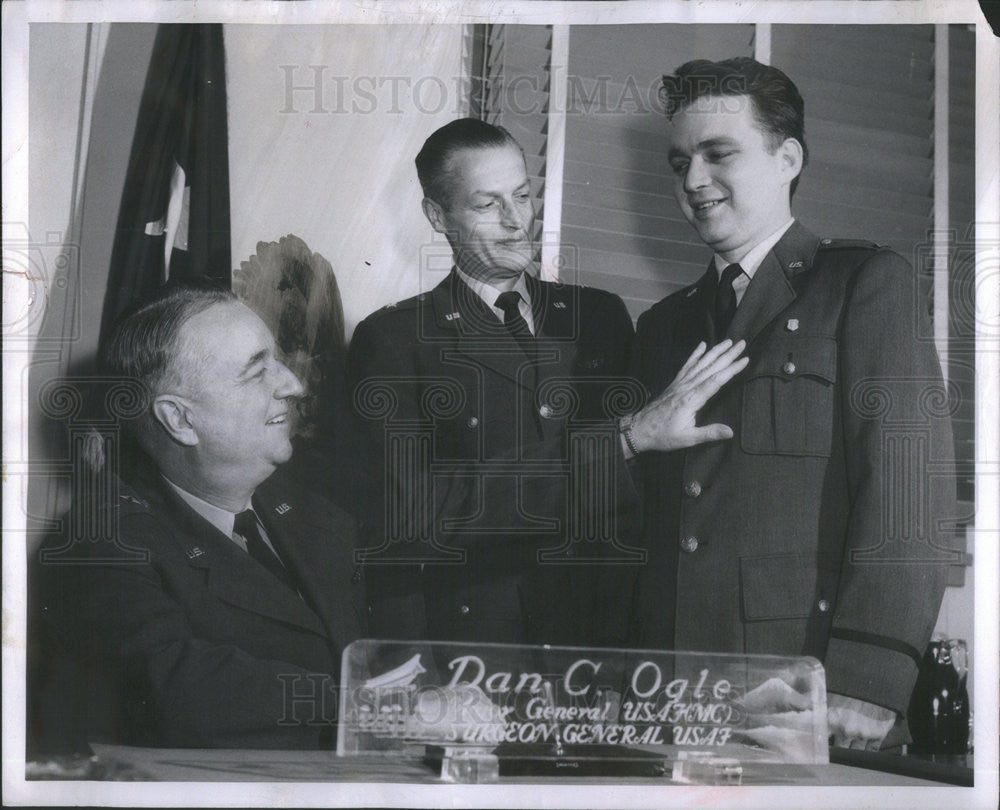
x=870, y=673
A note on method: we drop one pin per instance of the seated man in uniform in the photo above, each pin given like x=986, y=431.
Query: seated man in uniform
x=229, y=591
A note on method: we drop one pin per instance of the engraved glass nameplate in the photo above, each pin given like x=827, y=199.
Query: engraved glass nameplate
x=477, y=711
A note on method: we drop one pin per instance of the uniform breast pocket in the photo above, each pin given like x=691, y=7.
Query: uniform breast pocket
x=788, y=398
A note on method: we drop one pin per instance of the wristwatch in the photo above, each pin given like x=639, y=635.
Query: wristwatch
x=625, y=424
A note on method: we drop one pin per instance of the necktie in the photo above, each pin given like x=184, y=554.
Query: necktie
x=725, y=300
x=512, y=319
x=246, y=526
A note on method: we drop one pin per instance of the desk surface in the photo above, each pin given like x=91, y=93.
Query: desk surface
x=220, y=765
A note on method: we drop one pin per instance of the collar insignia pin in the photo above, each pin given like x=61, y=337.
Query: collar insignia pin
x=792, y=325
x=453, y=316
x=794, y=265
x=281, y=508
x=691, y=292
x=560, y=305
x=194, y=552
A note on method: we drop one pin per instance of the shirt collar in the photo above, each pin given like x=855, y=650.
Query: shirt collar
x=222, y=519
x=753, y=257
x=488, y=293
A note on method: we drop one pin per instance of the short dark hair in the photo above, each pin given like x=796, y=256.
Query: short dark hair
x=435, y=155
x=777, y=104
x=143, y=341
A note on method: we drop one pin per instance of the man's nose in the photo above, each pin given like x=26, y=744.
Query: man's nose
x=695, y=176
x=515, y=217
x=288, y=384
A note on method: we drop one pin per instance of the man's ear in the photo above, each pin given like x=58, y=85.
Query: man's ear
x=173, y=414
x=434, y=213
x=790, y=153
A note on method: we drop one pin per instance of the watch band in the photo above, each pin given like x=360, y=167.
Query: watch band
x=625, y=424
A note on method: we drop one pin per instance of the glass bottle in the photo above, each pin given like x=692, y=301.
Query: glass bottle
x=959, y=653
x=931, y=714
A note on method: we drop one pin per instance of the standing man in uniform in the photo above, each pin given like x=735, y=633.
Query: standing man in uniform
x=218, y=615
x=817, y=529
x=489, y=401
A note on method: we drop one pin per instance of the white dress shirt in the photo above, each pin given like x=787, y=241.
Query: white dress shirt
x=489, y=294
x=222, y=519
x=751, y=260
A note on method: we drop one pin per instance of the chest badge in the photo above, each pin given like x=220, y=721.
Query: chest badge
x=281, y=508
x=792, y=325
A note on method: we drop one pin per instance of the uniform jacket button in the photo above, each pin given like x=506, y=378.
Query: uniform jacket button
x=789, y=367
x=823, y=605
x=689, y=544
x=464, y=610
x=545, y=412
x=692, y=489
x=472, y=421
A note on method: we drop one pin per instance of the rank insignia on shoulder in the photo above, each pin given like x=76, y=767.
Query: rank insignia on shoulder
x=281, y=508
x=391, y=305
x=452, y=316
x=560, y=305
x=194, y=552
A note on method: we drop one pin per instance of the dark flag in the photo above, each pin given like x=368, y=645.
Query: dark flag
x=174, y=216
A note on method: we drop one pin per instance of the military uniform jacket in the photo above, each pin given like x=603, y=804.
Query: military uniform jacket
x=820, y=528
x=478, y=435
x=180, y=638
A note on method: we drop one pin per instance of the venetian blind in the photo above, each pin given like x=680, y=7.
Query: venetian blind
x=619, y=217
x=869, y=95
x=511, y=88
x=962, y=265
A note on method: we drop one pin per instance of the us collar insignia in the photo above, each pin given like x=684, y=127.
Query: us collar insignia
x=794, y=265
x=560, y=305
x=452, y=316
x=281, y=508
x=194, y=552
x=691, y=292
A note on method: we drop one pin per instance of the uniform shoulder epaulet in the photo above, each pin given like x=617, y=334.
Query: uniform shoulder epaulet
x=130, y=502
x=682, y=294
x=852, y=244
x=398, y=306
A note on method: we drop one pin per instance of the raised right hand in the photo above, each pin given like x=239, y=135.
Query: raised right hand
x=668, y=421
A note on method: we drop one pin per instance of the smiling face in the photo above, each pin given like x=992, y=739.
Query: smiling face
x=731, y=181
x=488, y=215
x=235, y=394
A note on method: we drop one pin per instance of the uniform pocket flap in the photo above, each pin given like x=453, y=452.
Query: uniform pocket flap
x=805, y=356
x=786, y=586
